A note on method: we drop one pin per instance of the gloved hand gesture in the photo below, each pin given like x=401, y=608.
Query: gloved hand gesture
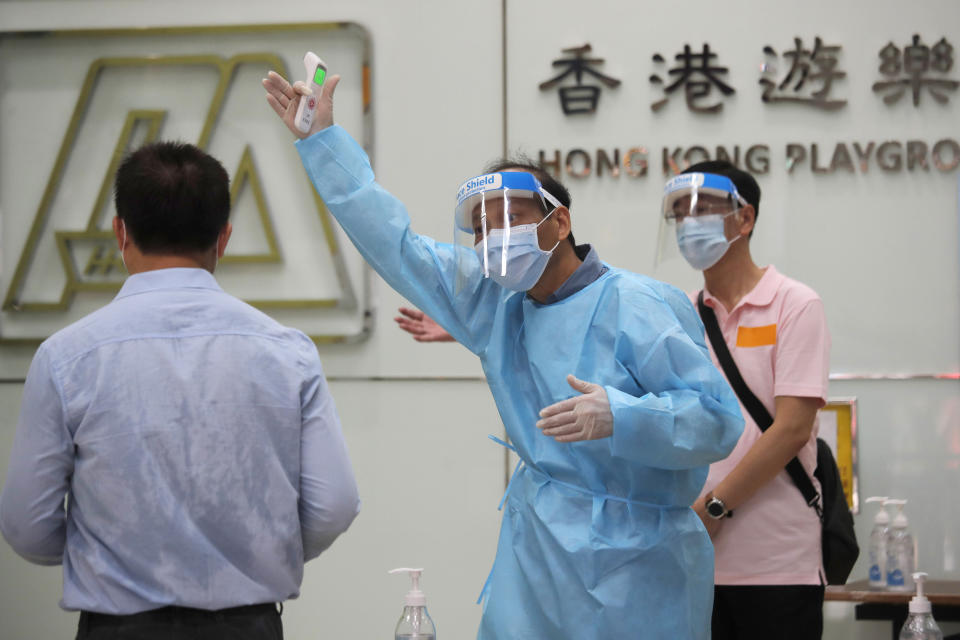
x=285, y=99
x=421, y=326
x=584, y=417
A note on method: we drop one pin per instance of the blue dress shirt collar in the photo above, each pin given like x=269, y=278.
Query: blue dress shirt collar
x=173, y=278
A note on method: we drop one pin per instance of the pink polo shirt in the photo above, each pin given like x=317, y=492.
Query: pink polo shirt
x=777, y=335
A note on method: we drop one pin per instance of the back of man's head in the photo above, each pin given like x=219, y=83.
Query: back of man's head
x=744, y=182
x=172, y=197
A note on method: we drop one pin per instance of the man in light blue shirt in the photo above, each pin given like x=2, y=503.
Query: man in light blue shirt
x=194, y=438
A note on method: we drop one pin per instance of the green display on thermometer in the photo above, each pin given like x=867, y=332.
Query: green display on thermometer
x=308, y=104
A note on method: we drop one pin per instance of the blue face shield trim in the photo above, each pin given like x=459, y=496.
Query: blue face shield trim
x=510, y=254
x=694, y=185
x=470, y=193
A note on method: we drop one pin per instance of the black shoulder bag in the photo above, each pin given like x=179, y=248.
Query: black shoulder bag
x=838, y=540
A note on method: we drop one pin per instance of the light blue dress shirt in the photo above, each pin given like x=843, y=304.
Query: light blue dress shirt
x=198, y=447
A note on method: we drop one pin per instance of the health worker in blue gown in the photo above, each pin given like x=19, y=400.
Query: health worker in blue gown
x=601, y=377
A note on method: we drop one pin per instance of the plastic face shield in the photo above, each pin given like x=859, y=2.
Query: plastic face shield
x=491, y=208
x=692, y=195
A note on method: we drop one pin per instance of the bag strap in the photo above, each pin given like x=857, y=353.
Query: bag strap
x=753, y=405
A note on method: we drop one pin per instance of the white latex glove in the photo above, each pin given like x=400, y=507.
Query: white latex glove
x=585, y=417
x=285, y=99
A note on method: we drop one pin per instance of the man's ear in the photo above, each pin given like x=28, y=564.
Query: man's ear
x=223, y=238
x=748, y=218
x=562, y=214
x=119, y=231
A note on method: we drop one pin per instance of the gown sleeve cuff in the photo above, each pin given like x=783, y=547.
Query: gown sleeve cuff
x=337, y=165
x=627, y=438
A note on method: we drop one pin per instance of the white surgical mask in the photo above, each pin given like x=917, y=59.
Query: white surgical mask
x=526, y=261
x=702, y=240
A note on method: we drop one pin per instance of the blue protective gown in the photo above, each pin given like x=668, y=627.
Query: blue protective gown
x=598, y=540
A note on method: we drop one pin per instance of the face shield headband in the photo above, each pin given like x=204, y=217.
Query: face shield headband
x=709, y=193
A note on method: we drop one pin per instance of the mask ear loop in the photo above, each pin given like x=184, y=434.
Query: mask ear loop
x=741, y=204
x=556, y=204
x=738, y=200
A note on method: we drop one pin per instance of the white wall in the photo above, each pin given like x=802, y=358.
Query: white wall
x=880, y=248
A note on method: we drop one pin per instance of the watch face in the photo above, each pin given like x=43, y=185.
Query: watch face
x=715, y=508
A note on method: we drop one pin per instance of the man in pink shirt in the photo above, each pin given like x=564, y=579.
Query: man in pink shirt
x=768, y=573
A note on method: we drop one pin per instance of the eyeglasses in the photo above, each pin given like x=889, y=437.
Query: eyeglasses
x=705, y=206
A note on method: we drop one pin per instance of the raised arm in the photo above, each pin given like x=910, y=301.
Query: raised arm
x=418, y=267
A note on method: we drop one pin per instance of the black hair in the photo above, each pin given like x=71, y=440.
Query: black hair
x=547, y=181
x=172, y=198
x=745, y=183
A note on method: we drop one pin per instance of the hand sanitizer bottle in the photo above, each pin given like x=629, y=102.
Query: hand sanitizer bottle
x=415, y=623
x=920, y=624
x=901, y=558
x=878, y=545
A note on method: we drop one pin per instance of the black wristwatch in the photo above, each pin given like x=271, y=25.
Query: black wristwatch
x=716, y=509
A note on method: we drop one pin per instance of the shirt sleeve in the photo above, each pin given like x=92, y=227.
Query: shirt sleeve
x=802, y=360
x=32, y=514
x=685, y=414
x=329, y=500
x=418, y=267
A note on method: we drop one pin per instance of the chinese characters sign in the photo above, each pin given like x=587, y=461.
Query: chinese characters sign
x=698, y=78
x=809, y=69
x=910, y=67
x=580, y=98
x=802, y=73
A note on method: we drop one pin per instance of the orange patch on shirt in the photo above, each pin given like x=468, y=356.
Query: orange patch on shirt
x=757, y=336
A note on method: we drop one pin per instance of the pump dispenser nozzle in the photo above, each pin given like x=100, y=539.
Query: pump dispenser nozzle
x=414, y=597
x=882, y=516
x=919, y=603
x=900, y=521
x=415, y=623
x=920, y=624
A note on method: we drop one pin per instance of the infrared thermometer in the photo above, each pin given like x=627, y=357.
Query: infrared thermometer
x=316, y=74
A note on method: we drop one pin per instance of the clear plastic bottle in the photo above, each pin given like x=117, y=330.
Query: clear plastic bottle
x=878, y=545
x=901, y=554
x=415, y=623
x=920, y=624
